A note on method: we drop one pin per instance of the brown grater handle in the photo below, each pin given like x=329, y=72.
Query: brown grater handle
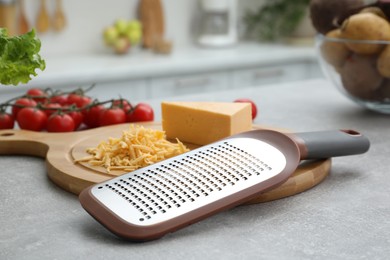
x=326, y=144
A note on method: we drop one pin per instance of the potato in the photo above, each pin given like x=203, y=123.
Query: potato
x=335, y=52
x=327, y=15
x=365, y=26
x=383, y=63
x=375, y=10
x=383, y=93
x=360, y=77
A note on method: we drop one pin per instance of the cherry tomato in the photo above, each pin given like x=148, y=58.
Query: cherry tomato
x=60, y=123
x=37, y=94
x=31, y=118
x=23, y=102
x=50, y=111
x=91, y=116
x=78, y=100
x=84, y=101
x=141, y=112
x=253, y=105
x=77, y=118
x=72, y=99
x=7, y=121
x=123, y=104
x=61, y=99
x=112, y=116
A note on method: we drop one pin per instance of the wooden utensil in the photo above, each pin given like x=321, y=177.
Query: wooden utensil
x=153, y=23
x=23, y=22
x=43, y=20
x=62, y=149
x=59, y=20
x=147, y=22
x=8, y=17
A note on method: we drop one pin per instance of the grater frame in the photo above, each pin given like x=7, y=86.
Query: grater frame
x=129, y=205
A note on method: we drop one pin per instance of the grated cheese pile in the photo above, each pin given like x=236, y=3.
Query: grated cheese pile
x=138, y=147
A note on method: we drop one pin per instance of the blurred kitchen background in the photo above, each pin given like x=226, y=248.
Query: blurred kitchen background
x=85, y=21
x=76, y=54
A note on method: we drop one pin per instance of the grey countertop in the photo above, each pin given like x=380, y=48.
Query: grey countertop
x=347, y=216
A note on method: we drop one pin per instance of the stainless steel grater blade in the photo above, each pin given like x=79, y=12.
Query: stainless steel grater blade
x=148, y=203
x=176, y=186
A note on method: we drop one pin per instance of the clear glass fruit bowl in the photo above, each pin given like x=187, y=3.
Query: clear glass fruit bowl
x=360, y=69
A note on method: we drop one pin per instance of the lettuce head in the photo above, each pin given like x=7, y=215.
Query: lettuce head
x=19, y=57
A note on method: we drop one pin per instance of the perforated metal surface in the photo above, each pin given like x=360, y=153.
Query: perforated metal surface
x=189, y=181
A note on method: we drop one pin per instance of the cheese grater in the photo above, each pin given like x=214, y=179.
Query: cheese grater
x=152, y=201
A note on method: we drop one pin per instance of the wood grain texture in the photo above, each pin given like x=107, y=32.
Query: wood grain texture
x=307, y=175
x=24, y=26
x=43, y=19
x=151, y=14
x=61, y=150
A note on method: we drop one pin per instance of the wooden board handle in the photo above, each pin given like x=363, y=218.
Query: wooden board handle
x=56, y=148
x=23, y=142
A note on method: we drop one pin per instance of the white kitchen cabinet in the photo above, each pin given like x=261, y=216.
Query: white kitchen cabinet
x=187, y=84
x=257, y=76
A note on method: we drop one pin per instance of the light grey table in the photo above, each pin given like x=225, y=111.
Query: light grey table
x=345, y=217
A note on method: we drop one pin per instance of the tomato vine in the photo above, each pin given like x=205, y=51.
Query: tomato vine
x=58, y=111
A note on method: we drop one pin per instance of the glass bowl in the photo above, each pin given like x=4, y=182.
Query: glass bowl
x=359, y=69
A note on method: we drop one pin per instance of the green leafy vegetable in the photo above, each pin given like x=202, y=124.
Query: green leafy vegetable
x=19, y=57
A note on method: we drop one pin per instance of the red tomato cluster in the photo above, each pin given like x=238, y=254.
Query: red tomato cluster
x=38, y=111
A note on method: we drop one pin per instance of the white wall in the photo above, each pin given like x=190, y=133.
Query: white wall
x=86, y=20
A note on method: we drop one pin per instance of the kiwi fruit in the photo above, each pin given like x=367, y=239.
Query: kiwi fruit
x=327, y=15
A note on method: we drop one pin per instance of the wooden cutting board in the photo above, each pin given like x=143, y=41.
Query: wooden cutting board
x=62, y=149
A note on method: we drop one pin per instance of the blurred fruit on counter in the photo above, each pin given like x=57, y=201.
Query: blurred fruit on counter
x=122, y=35
x=134, y=32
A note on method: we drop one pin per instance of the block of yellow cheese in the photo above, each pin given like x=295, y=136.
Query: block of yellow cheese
x=204, y=122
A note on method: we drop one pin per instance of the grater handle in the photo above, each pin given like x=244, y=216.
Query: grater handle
x=326, y=144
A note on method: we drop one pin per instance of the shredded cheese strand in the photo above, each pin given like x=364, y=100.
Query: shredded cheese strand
x=136, y=148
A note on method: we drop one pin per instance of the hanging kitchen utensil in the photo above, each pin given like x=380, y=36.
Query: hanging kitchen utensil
x=8, y=16
x=59, y=20
x=43, y=20
x=150, y=202
x=24, y=26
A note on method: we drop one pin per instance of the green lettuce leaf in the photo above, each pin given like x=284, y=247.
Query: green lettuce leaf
x=19, y=57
